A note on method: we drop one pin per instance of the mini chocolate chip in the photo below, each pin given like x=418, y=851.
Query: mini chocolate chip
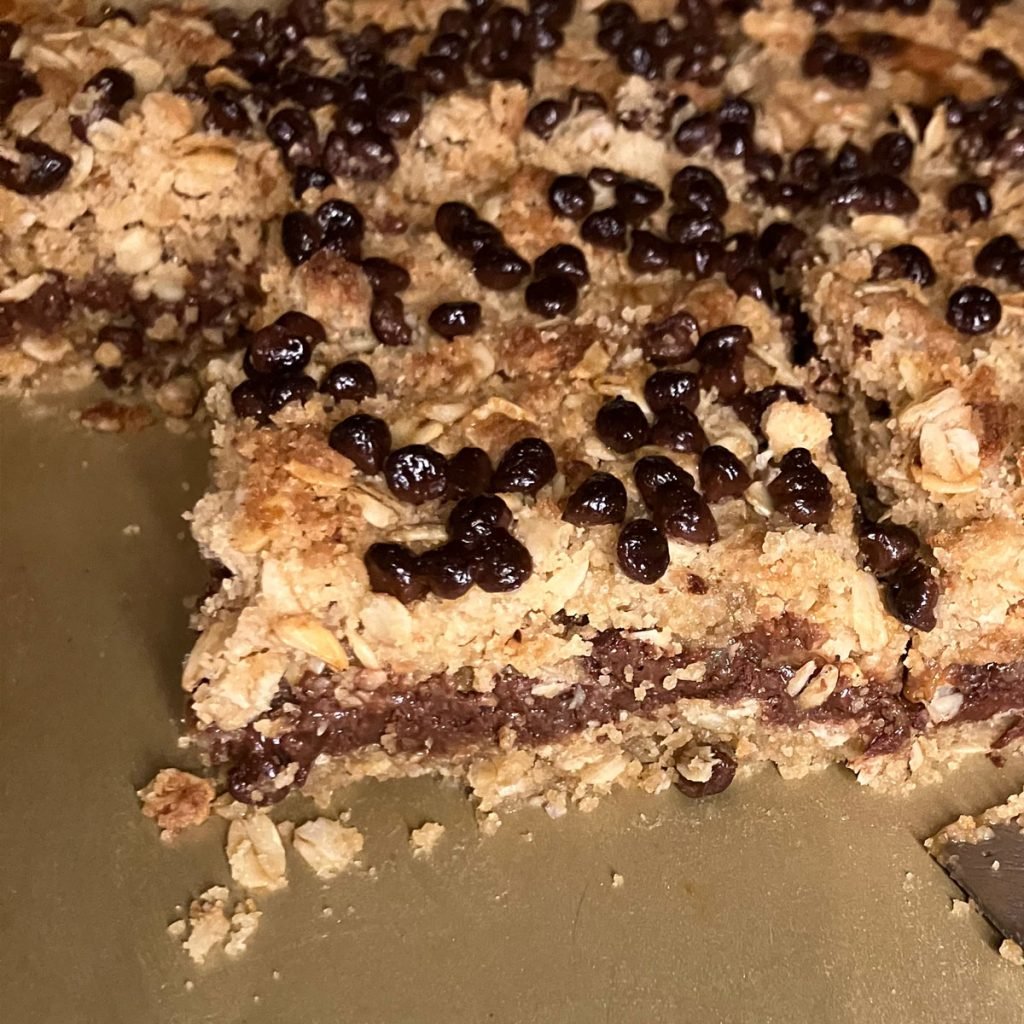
x=699, y=259
x=679, y=430
x=722, y=474
x=300, y=237
x=782, y=245
x=570, y=195
x=500, y=268
x=449, y=44
x=605, y=176
x=694, y=225
x=393, y=569
x=847, y=70
x=251, y=399
x=544, y=117
x=398, y=116
x=303, y=326
x=290, y=387
x=734, y=142
x=622, y=425
x=364, y=439
x=552, y=296
x=226, y=113
x=701, y=188
x=801, y=491
x=453, y=319
x=904, y=261
x=653, y=472
x=342, y=227
x=273, y=350
x=723, y=768
x=684, y=515
x=526, y=467
x=473, y=519
x=666, y=389
x=599, y=500
x=351, y=380
x=369, y=156
x=501, y=564
x=721, y=352
x=671, y=340
x=649, y=253
x=823, y=47
x=387, y=320
x=310, y=177
x=971, y=198
x=469, y=473
x=695, y=133
x=41, y=170
x=456, y=20
x=416, y=473
x=998, y=65
x=973, y=310
x=447, y=571
x=566, y=260
x=892, y=152
x=754, y=282
x=997, y=257
x=605, y=229
x=886, y=547
x=850, y=162
x=469, y=240
x=638, y=199
x=448, y=217
x=913, y=593
x=9, y=33
x=385, y=276
x=642, y=551
x=876, y=193
x=440, y=75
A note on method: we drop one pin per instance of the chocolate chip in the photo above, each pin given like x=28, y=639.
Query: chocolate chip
x=129, y=340
x=351, y=380
x=310, y=177
x=470, y=239
x=605, y=176
x=694, y=225
x=638, y=199
x=998, y=65
x=698, y=187
x=621, y=425
x=300, y=237
x=274, y=350
x=847, y=70
x=653, y=472
x=526, y=467
x=393, y=569
x=398, y=116
x=723, y=767
x=501, y=564
x=565, y=260
x=735, y=141
x=997, y=257
x=416, y=473
x=384, y=276
x=469, y=473
x=500, y=268
x=369, y=156
x=886, y=547
x=475, y=518
x=387, y=320
x=971, y=198
x=973, y=310
x=700, y=259
x=642, y=551
x=544, y=117
x=671, y=340
x=226, y=113
x=451, y=216
x=721, y=352
x=41, y=170
x=913, y=593
x=892, y=153
x=850, y=162
x=824, y=46
x=453, y=319
x=782, y=245
x=679, y=430
x=552, y=296
x=342, y=227
x=440, y=75
x=801, y=491
x=904, y=261
x=684, y=515
x=695, y=133
x=9, y=33
x=599, y=500
x=364, y=439
x=293, y=131
x=751, y=406
x=605, y=229
x=876, y=193
x=667, y=389
x=251, y=399
x=450, y=44
x=722, y=474
x=447, y=571
x=570, y=195
x=753, y=282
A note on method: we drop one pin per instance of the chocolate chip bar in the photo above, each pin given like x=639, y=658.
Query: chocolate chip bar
x=600, y=396
x=984, y=855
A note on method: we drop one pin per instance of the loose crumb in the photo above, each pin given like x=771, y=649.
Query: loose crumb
x=176, y=800
x=207, y=924
x=132, y=530
x=425, y=838
x=256, y=854
x=327, y=846
x=244, y=922
x=617, y=880
x=1009, y=950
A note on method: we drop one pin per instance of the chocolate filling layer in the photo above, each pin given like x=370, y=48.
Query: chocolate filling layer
x=443, y=716
x=989, y=689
